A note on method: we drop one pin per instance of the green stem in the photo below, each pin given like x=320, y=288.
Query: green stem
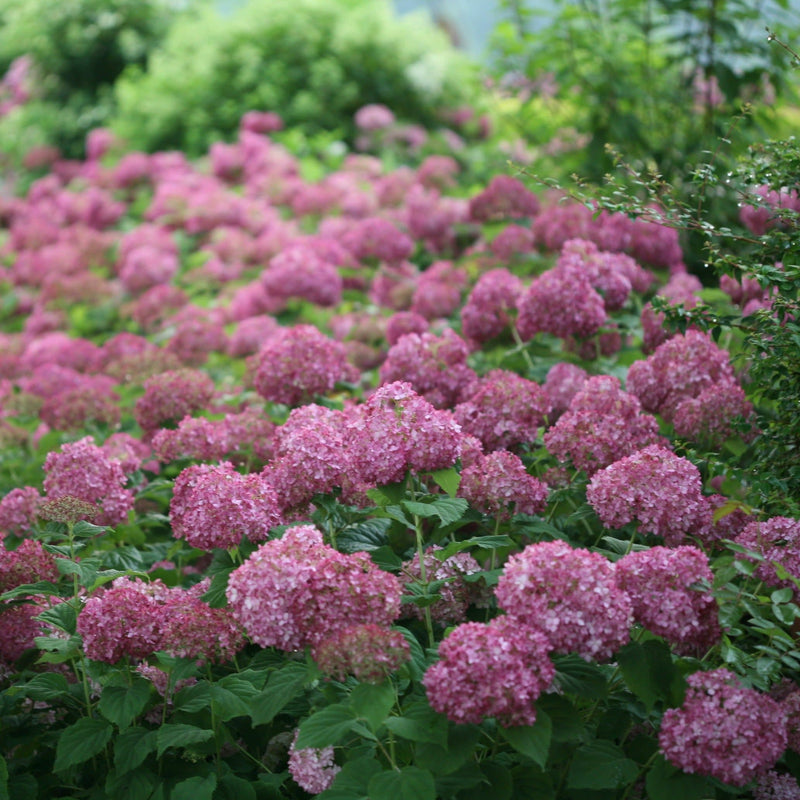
x=423, y=575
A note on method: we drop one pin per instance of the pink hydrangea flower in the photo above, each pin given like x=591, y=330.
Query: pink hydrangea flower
x=495, y=670
x=563, y=382
x=28, y=563
x=170, y=396
x=367, y=651
x=311, y=768
x=498, y=484
x=503, y=410
x=570, y=595
x=670, y=595
x=708, y=418
x=723, y=729
x=299, y=271
x=661, y=490
x=504, y=198
x=213, y=506
x=491, y=305
x=777, y=540
x=18, y=510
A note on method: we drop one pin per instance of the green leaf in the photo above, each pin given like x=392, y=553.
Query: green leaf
x=409, y=783
x=447, y=479
x=665, y=782
x=62, y=616
x=30, y=589
x=531, y=783
x=196, y=788
x=567, y=721
x=648, y=671
x=532, y=740
x=601, y=765
x=132, y=747
x=576, y=676
x=495, y=779
x=215, y=594
x=282, y=687
x=373, y=703
x=442, y=760
x=4, y=795
x=122, y=704
x=368, y=535
x=420, y=723
x=232, y=787
x=447, y=509
x=178, y=734
x=43, y=687
x=136, y=785
x=352, y=782
x=81, y=741
x=387, y=495
x=228, y=704
x=484, y=542
x=418, y=663
x=326, y=726
x=84, y=529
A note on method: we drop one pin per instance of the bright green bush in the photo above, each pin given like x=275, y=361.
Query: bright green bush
x=315, y=62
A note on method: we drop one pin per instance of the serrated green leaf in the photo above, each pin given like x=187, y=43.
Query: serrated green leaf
x=83, y=529
x=282, y=687
x=43, y=687
x=122, y=704
x=232, y=787
x=4, y=795
x=178, y=734
x=215, y=594
x=228, y=704
x=420, y=723
x=326, y=726
x=370, y=534
x=373, y=703
x=601, y=765
x=484, y=542
x=576, y=676
x=131, y=748
x=532, y=740
x=665, y=782
x=30, y=589
x=408, y=783
x=443, y=760
x=567, y=721
x=81, y=741
x=196, y=788
x=352, y=782
x=648, y=671
x=62, y=616
x=388, y=494
x=448, y=479
x=447, y=509
x=136, y=785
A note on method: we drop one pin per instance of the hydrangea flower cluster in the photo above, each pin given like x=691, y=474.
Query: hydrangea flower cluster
x=491, y=305
x=563, y=382
x=369, y=652
x=723, y=729
x=503, y=410
x=82, y=469
x=504, y=198
x=669, y=591
x=562, y=302
x=436, y=366
x=456, y=595
x=375, y=238
x=661, y=490
x=570, y=595
x=214, y=506
x=495, y=670
x=298, y=363
x=28, y=563
x=195, y=437
x=19, y=629
x=311, y=768
x=708, y=417
x=498, y=484
x=295, y=591
x=602, y=425
x=777, y=540
x=773, y=785
x=18, y=510
x=170, y=396
x=299, y=271
x=679, y=369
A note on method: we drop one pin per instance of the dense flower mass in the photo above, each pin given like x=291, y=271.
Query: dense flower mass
x=215, y=506
x=670, y=592
x=491, y=305
x=18, y=510
x=723, y=729
x=777, y=541
x=297, y=590
x=28, y=563
x=170, y=396
x=311, y=768
x=495, y=670
x=659, y=489
x=367, y=651
x=570, y=595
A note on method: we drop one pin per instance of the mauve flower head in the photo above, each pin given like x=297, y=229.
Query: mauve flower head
x=83, y=470
x=28, y=563
x=659, y=489
x=375, y=238
x=397, y=430
x=761, y=216
x=123, y=620
x=503, y=410
x=513, y=240
x=73, y=409
x=374, y=117
x=369, y=652
x=197, y=332
x=298, y=363
x=312, y=769
x=151, y=309
x=723, y=729
x=491, y=305
x=773, y=785
x=170, y=396
x=261, y=122
x=495, y=670
x=249, y=434
x=19, y=629
x=404, y=322
x=777, y=540
x=680, y=368
x=213, y=506
x=300, y=272
x=127, y=449
x=504, y=198
x=436, y=366
x=570, y=595
x=670, y=592
x=607, y=272
x=393, y=285
x=602, y=425
x=196, y=438
x=438, y=171
x=250, y=334
x=455, y=594
x=561, y=302
x=296, y=590
x=708, y=418
x=498, y=484
x=146, y=266
x=563, y=382
x=18, y=510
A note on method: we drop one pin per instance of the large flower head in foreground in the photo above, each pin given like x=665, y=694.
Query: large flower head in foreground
x=569, y=594
x=723, y=729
